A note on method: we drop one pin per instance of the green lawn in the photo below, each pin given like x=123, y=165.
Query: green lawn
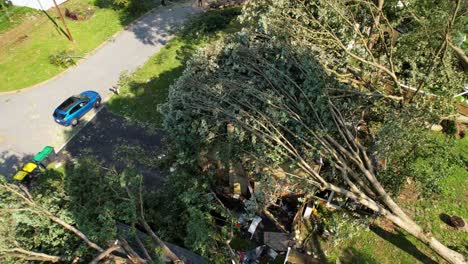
x=145, y=89
x=381, y=245
x=14, y=15
x=25, y=50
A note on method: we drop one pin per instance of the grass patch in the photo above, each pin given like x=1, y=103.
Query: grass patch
x=25, y=50
x=383, y=244
x=14, y=15
x=144, y=90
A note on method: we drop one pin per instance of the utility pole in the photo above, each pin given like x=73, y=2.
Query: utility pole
x=63, y=20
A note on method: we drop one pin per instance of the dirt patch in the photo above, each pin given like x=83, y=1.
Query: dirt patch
x=21, y=39
x=16, y=34
x=409, y=193
x=79, y=13
x=385, y=224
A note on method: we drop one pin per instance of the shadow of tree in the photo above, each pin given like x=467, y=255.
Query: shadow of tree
x=154, y=29
x=352, y=255
x=141, y=100
x=317, y=248
x=10, y=163
x=118, y=143
x=399, y=240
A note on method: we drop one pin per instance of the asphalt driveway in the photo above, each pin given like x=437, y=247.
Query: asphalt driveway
x=119, y=144
x=26, y=123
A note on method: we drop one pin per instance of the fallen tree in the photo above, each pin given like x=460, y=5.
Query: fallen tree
x=286, y=108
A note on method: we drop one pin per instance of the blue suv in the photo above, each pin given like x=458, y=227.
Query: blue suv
x=70, y=111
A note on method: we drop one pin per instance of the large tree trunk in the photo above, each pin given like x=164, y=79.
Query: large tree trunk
x=404, y=223
x=166, y=250
x=426, y=237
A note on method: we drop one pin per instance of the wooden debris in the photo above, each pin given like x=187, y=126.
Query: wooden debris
x=277, y=241
x=294, y=257
x=253, y=226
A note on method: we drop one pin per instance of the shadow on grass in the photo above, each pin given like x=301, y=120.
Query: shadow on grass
x=143, y=98
x=352, y=255
x=399, y=240
x=322, y=258
x=139, y=99
x=150, y=30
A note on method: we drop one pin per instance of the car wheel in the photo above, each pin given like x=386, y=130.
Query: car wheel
x=97, y=104
x=74, y=122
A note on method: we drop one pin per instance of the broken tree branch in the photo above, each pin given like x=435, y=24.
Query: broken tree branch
x=29, y=255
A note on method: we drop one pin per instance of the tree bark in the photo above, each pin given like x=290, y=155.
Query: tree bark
x=166, y=250
x=132, y=255
x=29, y=201
x=73, y=230
x=461, y=55
x=408, y=225
x=373, y=36
x=104, y=254
x=30, y=255
x=143, y=248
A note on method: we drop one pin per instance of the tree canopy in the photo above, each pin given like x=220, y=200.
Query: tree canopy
x=351, y=84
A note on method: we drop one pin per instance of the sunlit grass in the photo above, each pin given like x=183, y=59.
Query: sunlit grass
x=24, y=60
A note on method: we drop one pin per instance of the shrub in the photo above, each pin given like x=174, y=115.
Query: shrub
x=63, y=59
x=210, y=22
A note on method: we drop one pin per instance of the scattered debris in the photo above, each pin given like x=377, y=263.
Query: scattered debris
x=327, y=197
x=456, y=221
x=114, y=89
x=252, y=255
x=272, y=254
x=295, y=257
x=308, y=211
x=253, y=226
x=277, y=241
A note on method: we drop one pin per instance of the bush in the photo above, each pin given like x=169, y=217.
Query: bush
x=5, y=3
x=209, y=23
x=80, y=12
x=63, y=59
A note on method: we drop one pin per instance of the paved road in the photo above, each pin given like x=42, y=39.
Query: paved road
x=26, y=123
x=119, y=143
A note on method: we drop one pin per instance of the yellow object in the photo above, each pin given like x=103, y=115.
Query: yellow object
x=314, y=212
x=20, y=175
x=29, y=167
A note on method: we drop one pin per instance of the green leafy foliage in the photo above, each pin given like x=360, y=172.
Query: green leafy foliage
x=62, y=59
x=248, y=80
x=183, y=210
x=203, y=26
x=105, y=200
x=11, y=16
x=86, y=196
x=23, y=227
x=281, y=87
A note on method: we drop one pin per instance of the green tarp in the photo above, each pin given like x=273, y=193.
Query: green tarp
x=43, y=154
